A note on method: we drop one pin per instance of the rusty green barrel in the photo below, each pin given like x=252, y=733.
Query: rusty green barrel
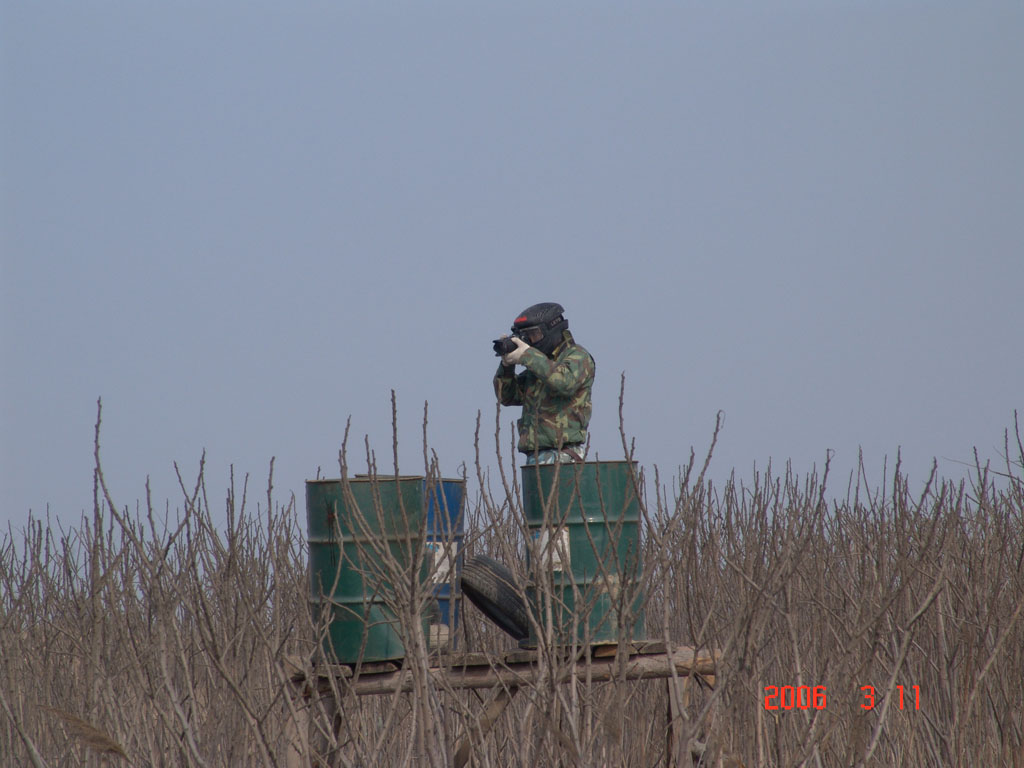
x=358, y=540
x=584, y=551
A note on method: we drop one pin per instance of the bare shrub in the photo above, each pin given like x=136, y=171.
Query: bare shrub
x=149, y=638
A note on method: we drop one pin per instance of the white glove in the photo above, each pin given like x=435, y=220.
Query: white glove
x=515, y=355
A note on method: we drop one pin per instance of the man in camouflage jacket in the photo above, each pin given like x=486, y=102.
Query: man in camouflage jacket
x=554, y=389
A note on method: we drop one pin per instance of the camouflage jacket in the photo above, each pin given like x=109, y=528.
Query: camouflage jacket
x=554, y=392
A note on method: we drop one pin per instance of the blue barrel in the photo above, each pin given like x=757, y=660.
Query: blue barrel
x=445, y=535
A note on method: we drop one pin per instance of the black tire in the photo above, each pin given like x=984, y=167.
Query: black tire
x=489, y=585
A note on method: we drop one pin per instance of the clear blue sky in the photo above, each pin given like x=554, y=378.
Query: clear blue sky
x=242, y=223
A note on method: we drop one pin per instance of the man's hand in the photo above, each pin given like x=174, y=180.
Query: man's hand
x=514, y=356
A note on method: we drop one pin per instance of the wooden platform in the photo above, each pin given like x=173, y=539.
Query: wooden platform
x=512, y=669
x=504, y=673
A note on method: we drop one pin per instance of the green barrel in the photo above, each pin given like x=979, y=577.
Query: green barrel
x=350, y=537
x=584, y=550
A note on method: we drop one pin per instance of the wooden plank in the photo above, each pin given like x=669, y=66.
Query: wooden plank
x=523, y=655
x=608, y=651
x=519, y=656
x=479, y=658
x=650, y=646
x=452, y=660
x=468, y=660
x=492, y=712
x=514, y=675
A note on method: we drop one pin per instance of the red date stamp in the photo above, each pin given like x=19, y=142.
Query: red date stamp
x=779, y=697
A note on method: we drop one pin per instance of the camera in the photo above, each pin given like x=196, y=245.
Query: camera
x=505, y=345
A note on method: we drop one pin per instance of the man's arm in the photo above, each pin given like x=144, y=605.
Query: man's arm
x=506, y=385
x=564, y=376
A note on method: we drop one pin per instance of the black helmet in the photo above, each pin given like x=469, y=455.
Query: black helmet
x=541, y=325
